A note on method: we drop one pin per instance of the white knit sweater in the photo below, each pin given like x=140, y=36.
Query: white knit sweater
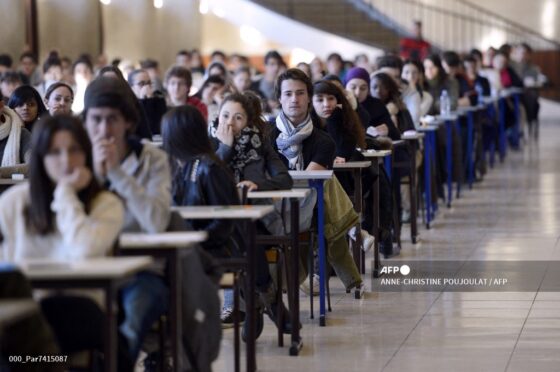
x=77, y=234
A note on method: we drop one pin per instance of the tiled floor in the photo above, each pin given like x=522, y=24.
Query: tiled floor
x=512, y=215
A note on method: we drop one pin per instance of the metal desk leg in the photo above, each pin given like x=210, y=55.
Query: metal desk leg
x=175, y=310
x=413, y=193
x=449, y=159
x=297, y=343
x=502, y=129
x=470, y=165
x=516, y=125
x=427, y=179
x=110, y=344
x=250, y=299
x=376, y=268
x=318, y=184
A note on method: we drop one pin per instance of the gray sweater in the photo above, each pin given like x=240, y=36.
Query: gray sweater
x=143, y=181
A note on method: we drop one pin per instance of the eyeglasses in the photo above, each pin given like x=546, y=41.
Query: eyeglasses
x=143, y=83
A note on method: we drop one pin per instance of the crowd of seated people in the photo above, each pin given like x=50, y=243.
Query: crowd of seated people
x=84, y=130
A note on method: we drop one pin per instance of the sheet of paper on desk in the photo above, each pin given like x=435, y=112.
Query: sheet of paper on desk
x=372, y=131
x=409, y=133
x=48, y=265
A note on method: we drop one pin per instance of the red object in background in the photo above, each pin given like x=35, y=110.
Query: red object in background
x=414, y=49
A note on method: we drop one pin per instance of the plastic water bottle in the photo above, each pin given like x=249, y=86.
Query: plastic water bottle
x=479, y=92
x=444, y=104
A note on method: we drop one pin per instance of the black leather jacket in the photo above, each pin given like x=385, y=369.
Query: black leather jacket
x=204, y=180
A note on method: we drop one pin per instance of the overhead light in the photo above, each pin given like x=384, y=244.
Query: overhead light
x=158, y=4
x=203, y=7
x=105, y=2
x=250, y=35
x=219, y=12
x=300, y=55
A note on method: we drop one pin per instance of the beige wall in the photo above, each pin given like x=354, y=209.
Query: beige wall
x=134, y=29
x=12, y=27
x=72, y=27
x=218, y=33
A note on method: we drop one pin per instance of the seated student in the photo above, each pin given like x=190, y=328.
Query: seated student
x=9, y=81
x=82, y=70
x=143, y=129
x=335, y=114
x=58, y=99
x=152, y=102
x=482, y=85
x=28, y=68
x=62, y=214
x=437, y=80
x=303, y=146
x=178, y=82
x=27, y=103
x=452, y=65
x=52, y=72
x=140, y=175
x=413, y=72
x=211, y=93
x=392, y=66
x=242, y=136
x=15, y=140
x=358, y=81
x=387, y=91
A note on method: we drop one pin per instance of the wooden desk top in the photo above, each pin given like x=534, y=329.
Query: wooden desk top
x=279, y=194
x=175, y=239
x=376, y=153
x=312, y=175
x=91, y=269
x=352, y=165
x=230, y=212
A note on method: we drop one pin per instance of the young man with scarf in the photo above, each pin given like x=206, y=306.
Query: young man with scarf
x=303, y=146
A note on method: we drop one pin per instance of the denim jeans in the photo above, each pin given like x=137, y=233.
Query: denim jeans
x=143, y=302
x=228, y=299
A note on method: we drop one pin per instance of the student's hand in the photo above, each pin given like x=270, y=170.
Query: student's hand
x=99, y=156
x=79, y=179
x=105, y=155
x=146, y=91
x=382, y=129
x=249, y=184
x=224, y=133
x=339, y=160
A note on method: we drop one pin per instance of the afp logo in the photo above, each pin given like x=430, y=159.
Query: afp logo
x=404, y=269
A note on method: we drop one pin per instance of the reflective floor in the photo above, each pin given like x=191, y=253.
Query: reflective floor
x=512, y=215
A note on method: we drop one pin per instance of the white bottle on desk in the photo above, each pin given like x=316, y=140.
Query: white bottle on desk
x=444, y=104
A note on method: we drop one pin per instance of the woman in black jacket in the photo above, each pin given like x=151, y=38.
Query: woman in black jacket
x=201, y=178
x=336, y=115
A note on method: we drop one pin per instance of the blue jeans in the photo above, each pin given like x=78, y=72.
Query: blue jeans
x=143, y=302
x=228, y=299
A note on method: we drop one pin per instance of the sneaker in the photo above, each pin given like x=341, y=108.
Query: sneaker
x=352, y=233
x=304, y=287
x=272, y=312
x=405, y=216
x=367, y=241
x=258, y=327
x=227, y=317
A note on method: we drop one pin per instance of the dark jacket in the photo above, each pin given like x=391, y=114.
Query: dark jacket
x=378, y=115
x=268, y=172
x=205, y=181
x=345, y=142
x=154, y=108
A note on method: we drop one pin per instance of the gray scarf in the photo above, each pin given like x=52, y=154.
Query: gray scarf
x=290, y=140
